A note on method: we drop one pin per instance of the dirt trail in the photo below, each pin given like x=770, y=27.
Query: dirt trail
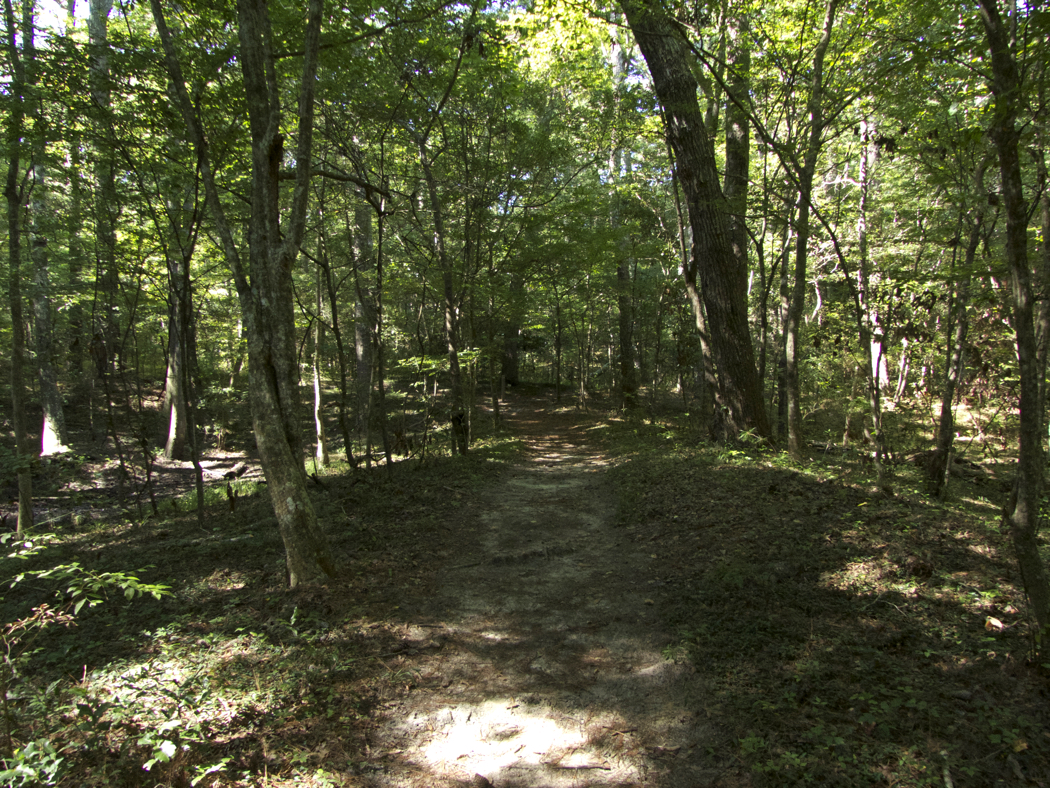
x=538, y=660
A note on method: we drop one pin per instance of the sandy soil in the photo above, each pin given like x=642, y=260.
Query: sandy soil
x=538, y=661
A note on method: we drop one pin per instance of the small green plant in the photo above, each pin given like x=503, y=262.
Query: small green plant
x=39, y=761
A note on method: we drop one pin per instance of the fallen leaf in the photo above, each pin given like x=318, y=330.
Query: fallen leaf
x=993, y=624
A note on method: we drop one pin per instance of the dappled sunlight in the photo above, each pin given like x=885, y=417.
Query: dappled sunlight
x=495, y=737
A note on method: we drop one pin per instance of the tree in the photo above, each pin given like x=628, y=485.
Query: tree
x=1021, y=513
x=17, y=58
x=724, y=283
x=264, y=285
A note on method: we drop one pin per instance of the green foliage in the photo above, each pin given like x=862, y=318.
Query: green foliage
x=40, y=761
x=37, y=763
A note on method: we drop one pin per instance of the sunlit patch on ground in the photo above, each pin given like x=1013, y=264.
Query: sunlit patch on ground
x=496, y=737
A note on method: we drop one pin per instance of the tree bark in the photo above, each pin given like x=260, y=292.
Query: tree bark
x=265, y=288
x=511, y=365
x=14, y=196
x=724, y=282
x=53, y=435
x=938, y=468
x=1021, y=513
x=738, y=137
x=620, y=171
x=320, y=434
x=457, y=405
x=364, y=319
x=793, y=327
x=871, y=337
x=181, y=333
x=106, y=204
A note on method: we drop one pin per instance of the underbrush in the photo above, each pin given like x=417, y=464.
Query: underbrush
x=850, y=637
x=230, y=678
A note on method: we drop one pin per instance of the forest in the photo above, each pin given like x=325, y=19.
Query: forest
x=299, y=292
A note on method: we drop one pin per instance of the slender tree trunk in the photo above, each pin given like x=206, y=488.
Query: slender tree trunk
x=14, y=196
x=871, y=334
x=939, y=466
x=378, y=365
x=176, y=444
x=364, y=319
x=53, y=436
x=106, y=204
x=738, y=138
x=457, y=409
x=793, y=327
x=181, y=335
x=712, y=259
x=320, y=436
x=1042, y=326
x=1021, y=513
x=619, y=173
x=337, y=331
x=511, y=365
x=265, y=288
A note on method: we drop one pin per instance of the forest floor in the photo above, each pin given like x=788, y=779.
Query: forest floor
x=541, y=652
x=586, y=599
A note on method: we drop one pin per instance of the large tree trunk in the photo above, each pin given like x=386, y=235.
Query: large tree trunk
x=14, y=196
x=724, y=283
x=265, y=288
x=1021, y=514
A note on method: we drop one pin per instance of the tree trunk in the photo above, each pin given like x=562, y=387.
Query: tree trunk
x=938, y=469
x=77, y=341
x=320, y=436
x=265, y=288
x=106, y=204
x=871, y=338
x=511, y=366
x=176, y=445
x=738, y=138
x=1021, y=513
x=337, y=331
x=712, y=259
x=53, y=435
x=793, y=326
x=14, y=196
x=1042, y=326
x=457, y=409
x=181, y=335
x=364, y=319
x=620, y=171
